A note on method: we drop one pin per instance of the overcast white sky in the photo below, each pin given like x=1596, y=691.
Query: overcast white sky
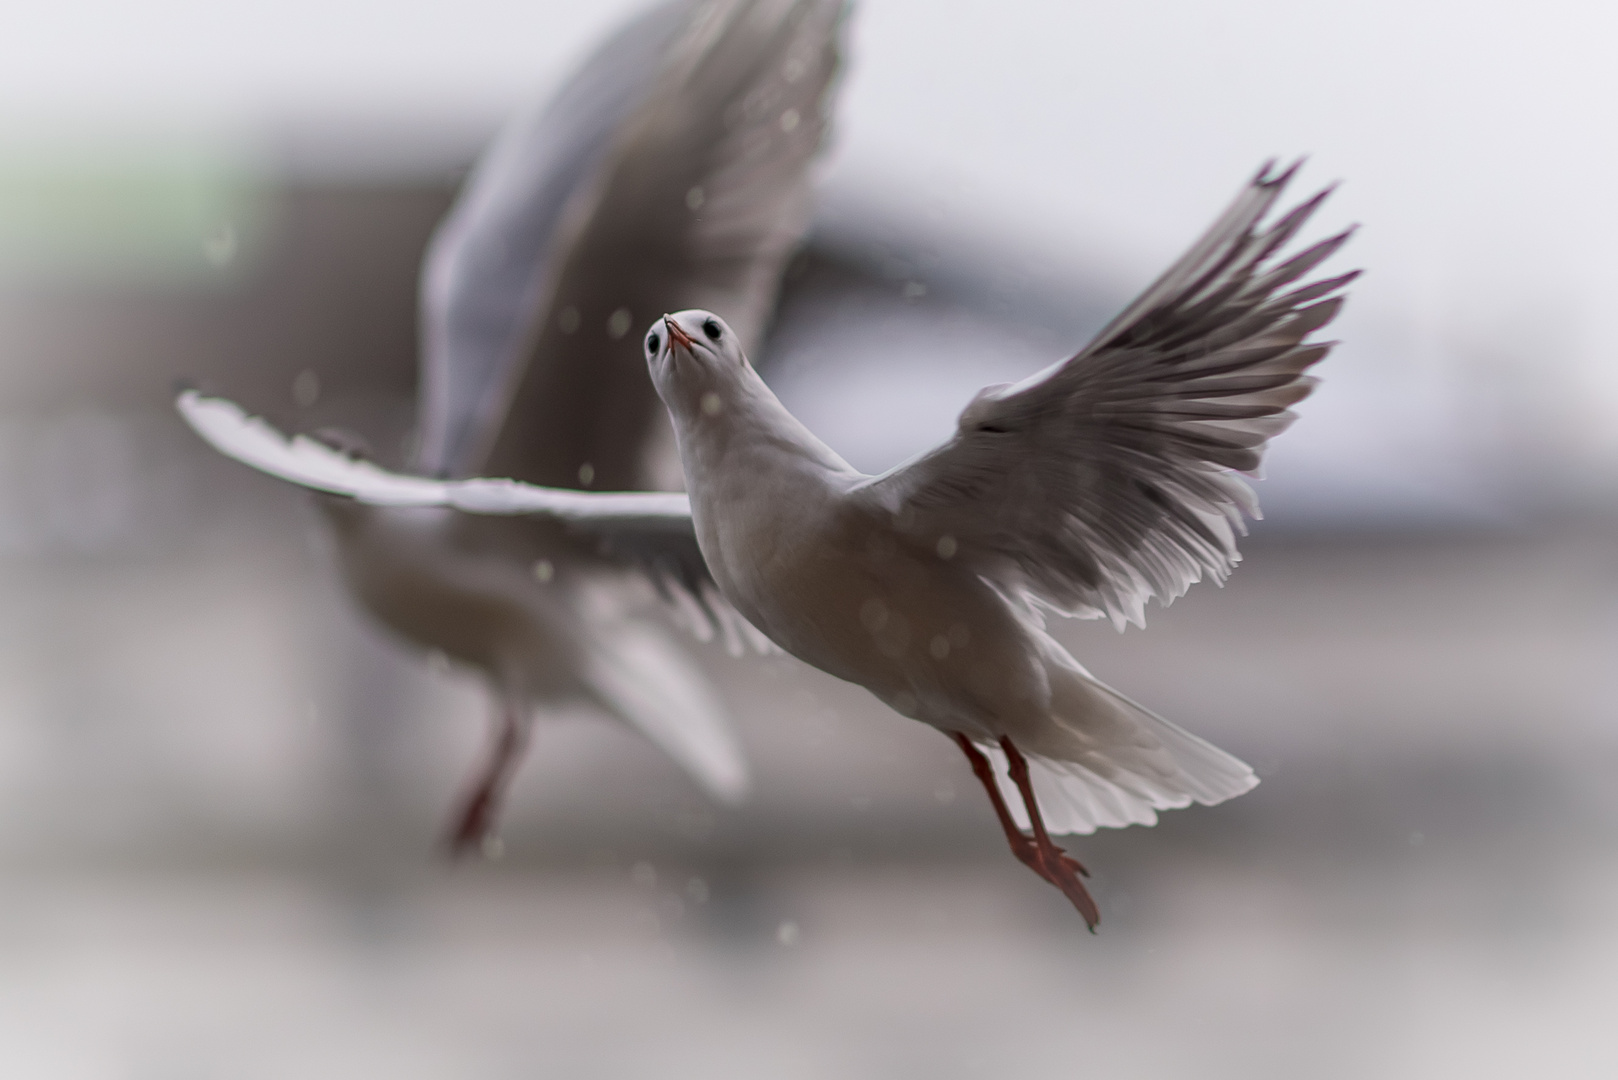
x=1476, y=140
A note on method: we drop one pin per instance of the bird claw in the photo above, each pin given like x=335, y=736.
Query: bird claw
x=1039, y=860
x=1073, y=864
x=1077, y=894
x=1061, y=870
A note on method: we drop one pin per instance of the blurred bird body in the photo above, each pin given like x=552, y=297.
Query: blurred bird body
x=661, y=174
x=576, y=637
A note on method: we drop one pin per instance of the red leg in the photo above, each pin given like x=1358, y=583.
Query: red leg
x=1059, y=867
x=1040, y=855
x=476, y=820
x=1020, y=844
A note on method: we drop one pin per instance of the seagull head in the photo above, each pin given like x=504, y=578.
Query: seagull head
x=692, y=356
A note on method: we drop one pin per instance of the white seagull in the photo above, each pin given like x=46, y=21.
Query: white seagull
x=1105, y=480
x=671, y=169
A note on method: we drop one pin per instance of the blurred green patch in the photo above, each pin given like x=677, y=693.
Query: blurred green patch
x=148, y=216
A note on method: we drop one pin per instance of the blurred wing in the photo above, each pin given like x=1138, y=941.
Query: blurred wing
x=1110, y=478
x=638, y=671
x=251, y=440
x=487, y=265
x=652, y=530
x=698, y=202
x=312, y=464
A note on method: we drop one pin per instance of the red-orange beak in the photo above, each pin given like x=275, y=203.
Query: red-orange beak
x=677, y=335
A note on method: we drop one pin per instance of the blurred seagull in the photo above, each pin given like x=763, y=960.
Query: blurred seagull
x=1088, y=488
x=670, y=170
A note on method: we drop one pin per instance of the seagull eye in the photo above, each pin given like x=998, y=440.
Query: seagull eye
x=653, y=343
x=711, y=328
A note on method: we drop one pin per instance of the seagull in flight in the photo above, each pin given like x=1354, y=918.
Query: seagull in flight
x=1110, y=478
x=672, y=169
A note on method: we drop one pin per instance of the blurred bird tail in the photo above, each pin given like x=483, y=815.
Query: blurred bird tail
x=636, y=671
x=1108, y=761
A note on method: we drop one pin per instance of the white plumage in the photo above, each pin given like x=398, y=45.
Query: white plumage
x=1095, y=485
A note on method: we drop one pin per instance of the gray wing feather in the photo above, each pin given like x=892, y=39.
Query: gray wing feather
x=487, y=264
x=758, y=110
x=698, y=202
x=1112, y=477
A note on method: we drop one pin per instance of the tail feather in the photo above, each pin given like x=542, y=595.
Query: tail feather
x=1113, y=762
x=636, y=671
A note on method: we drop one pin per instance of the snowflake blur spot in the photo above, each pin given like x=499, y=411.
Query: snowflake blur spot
x=306, y=388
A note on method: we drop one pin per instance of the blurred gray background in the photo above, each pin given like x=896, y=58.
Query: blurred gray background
x=221, y=790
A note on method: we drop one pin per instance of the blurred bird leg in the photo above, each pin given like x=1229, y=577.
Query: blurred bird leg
x=1039, y=854
x=475, y=823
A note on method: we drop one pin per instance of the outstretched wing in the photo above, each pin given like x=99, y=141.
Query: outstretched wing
x=486, y=268
x=690, y=190
x=313, y=464
x=651, y=530
x=1112, y=477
